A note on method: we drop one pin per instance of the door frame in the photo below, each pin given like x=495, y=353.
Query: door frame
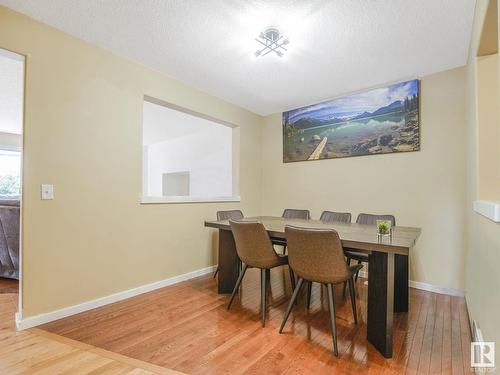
x=24, y=58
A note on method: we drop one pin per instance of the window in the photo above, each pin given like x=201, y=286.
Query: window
x=186, y=156
x=11, y=123
x=10, y=173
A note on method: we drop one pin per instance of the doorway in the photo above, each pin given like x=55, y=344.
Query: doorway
x=11, y=141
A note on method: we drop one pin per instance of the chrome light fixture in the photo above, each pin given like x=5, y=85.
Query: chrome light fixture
x=271, y=40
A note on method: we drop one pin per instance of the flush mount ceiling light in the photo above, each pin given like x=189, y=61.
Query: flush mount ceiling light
x=271, y=40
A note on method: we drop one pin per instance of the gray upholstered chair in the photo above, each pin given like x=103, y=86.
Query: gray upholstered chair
x=331, y=217
x=255, y=249
x=291, y=213
x=317, y=255
x=227, y=215
x=9, y=239
x=367, y=219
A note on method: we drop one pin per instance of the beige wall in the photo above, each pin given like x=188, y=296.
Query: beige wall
x=423, y=189
x=83, y=134
x=482, y=278
x=488, y=115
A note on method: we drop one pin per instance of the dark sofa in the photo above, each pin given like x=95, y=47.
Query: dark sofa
x=9, y=239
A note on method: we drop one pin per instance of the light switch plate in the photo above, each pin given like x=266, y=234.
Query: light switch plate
x=47, y=191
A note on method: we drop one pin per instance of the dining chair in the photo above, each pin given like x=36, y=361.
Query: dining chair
x=226, y=215
x=317, y=255
x=255, y=249
x=367, y=219
x=329, y=217
x=291, y=213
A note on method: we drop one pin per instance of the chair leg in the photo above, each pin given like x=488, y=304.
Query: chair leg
x=263, y=279
x=333, y=325
x=357, y=273
x=284, y=249
x=309, y=290
x=237, y=285
x=292, y=277
x=345, y=282
x=353, y=300
x=216, y=272
x=292, y=302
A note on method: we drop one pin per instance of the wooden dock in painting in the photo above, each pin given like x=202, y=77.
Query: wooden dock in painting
x=317, y=152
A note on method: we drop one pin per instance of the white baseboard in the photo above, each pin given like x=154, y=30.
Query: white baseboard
x=436, y=289
x=477, y=334
x=37, y=320
x=427, y=287
x=34, y=321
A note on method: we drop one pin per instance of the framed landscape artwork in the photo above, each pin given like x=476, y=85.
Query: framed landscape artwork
x=378, y=121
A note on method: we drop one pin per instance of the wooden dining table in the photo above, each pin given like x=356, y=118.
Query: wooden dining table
x=388, y=266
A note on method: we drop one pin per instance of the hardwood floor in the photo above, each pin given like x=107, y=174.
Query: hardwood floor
x=187, y=327
x=8, y=285
x=39, y=352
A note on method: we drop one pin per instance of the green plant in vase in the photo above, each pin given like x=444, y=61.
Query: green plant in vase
x=383, y=227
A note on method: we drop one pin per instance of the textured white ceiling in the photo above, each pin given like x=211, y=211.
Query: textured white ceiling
x=336, y=46
x=11, y=92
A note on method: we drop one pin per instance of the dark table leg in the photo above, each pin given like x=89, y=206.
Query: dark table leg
x=401, y=277
x=228, y=262
x=381, y=301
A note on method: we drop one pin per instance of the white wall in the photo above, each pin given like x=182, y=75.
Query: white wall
x=11, y=92
x=207, y=155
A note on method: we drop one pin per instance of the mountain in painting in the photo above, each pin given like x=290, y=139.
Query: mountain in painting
x=309, y=122
x=396, y=106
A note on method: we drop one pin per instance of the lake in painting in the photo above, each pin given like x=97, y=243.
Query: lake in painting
x=378, y=121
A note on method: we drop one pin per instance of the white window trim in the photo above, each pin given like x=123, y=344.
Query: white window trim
x=187, y=199
x=144, y=199
x=488, y=209
x=10, y=148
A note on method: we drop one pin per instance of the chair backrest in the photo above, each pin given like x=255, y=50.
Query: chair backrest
x=316, y=254
x=231, y=214
x=253, y=244
x=291, y=213
x=371, y=219
x=330, y=217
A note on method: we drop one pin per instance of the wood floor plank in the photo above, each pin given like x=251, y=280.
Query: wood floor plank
x=456, y=338
x=446, y=362
x=435, y=366
x=465, y=334
x=428, y=339
x=418, y=338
